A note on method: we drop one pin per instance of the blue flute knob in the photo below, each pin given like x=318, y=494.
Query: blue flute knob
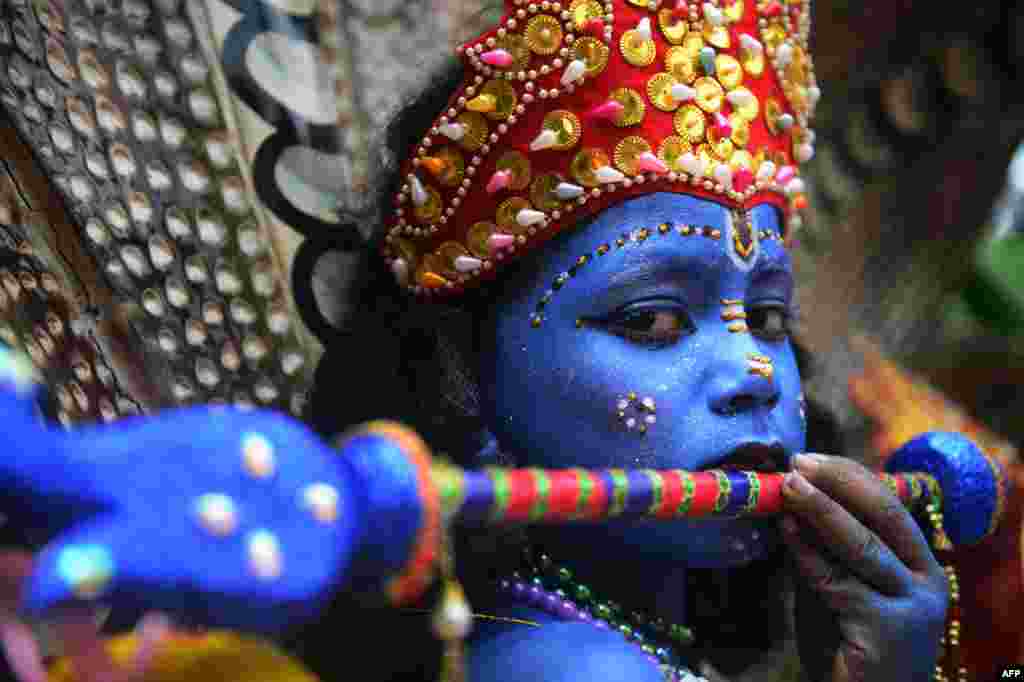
x=243, y=520
x=974, y=485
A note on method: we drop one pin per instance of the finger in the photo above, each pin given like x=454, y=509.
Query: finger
x=853, y=544
x=837, y=588
x=867, y=498
x=15, y=566
x=78, y=630
x=22, y=652
x=153, y=629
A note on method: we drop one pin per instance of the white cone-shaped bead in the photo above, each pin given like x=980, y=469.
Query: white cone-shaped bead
x=713, y=15
x=786, y=121
x=796, y=221
x=804, y=152
x=784, y=54
x=566, y=191
x=400, y=269
x=682, y=93
x=643, y=29
x=467, y=263
x=691, y=163
x=813, y=95
x=795, y=186
x=545, y=140
x=574, y=71
x=419, y=195
x=739, y=98
x=453, y=131
x=529, y=216
x=751, y=43
x=766, y=171
x=723, y=174
x=607, y=174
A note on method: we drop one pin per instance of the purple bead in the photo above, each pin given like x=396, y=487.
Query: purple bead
x=585, y=617
x=551, y=603
x=598, y=623
x=567, y=610
x=654, y=660
x=535, y=595
x=505, y=586
x=519, y=589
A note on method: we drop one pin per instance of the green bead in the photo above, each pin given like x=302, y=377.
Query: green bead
x=616, y=608
x=538, y=583
x=583, y=593
x=560, y=593
x=565, y=575
x=602, y=611
x=626, y=631
x=648, y=649
x=681, y=634
x=662, y=654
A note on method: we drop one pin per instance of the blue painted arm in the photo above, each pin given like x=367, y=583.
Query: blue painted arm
x=235, y=519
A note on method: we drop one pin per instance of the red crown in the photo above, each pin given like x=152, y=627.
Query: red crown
x=569, y=108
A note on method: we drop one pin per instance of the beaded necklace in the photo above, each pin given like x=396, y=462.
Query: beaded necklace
x=551, y=589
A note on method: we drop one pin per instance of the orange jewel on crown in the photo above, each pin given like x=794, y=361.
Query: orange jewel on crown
x=570, y=107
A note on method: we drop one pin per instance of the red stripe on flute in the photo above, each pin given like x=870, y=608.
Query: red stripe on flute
x=771, y=493
x=672, y=494
x=521, y=495
x=902, y=489
x=565, y=494
x=706, y=494
x=597, y=503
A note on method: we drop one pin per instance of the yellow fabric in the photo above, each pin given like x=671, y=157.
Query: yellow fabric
x=213, y=657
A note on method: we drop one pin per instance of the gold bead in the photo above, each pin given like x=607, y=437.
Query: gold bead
x=673, y=147
x=659, y=91
x=673, y=30
x=636, y=50
x=681, y=63
x=543, y=34
x=504, y=98
x=566, y=126
x=717, y=35
x=519, y=165
x=447, y=253
x=542, y=192
x=583, y=11
x=633, y=106
x=690, y=123
x=628, y=151
x=585, y=163
x=593, y=52
x=507, y=213
x=478, y=239
x=750, y=106
x=709, y=94
x=477, y=130
x=431, y=208
x=728, y=71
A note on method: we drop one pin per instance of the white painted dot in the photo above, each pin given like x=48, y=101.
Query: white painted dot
x=321, y=500
x=216, y=513
x=264, y=551
x=258, y=456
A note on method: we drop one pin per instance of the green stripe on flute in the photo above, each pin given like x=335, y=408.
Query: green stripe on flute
x=451, y=481
x=501, y=493
x=620, y=488
x=890, y=483
x=689, y=489
x=542, y=485
x=916, y=490
x=724, y=490
x=586, y=489
x=754, y=491
x=657, y=491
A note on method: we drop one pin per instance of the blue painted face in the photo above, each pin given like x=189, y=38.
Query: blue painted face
x=655, y=317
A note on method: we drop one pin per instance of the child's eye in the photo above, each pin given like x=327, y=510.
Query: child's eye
x=650, y=323
x=769, y=322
